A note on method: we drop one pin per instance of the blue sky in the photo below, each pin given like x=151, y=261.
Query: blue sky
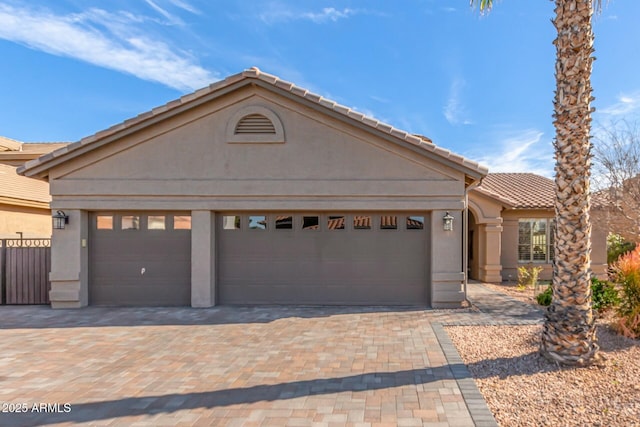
x=481, y=86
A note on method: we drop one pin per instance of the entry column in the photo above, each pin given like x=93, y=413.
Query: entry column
x=203, y=256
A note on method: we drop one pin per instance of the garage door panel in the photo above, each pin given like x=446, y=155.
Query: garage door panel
x=139, y=267
x=323, y=266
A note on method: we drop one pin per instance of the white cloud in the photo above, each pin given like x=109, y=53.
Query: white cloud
x=278, y=12
x=627, y=104
x=109, y=40
x=185, y=6
x=172, y=19
x=454, y=111
x=522, y=151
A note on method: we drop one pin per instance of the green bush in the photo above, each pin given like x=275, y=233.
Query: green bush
x=544, y=298
x=604, y=294
x=616, y=246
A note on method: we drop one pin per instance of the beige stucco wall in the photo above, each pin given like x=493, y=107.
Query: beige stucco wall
x=32, y=222
x=486, y=220
x=510, y=262
x=186, y=163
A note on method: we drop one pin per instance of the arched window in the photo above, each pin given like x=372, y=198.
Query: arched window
x=255, y=124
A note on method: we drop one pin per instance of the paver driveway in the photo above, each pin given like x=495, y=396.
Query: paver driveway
x=255, y=366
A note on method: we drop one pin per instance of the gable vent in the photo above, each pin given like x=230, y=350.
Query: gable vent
x=255, y=124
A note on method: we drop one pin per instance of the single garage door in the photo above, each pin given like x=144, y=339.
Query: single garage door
x=140, y=259
x=329, y=258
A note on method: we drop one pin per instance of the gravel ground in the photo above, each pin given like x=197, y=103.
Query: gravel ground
x=524, y=389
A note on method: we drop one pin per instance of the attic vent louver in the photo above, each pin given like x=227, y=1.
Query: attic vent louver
x=255, y=124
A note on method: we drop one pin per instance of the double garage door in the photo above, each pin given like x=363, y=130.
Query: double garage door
x=263, y=258
x=322, y=259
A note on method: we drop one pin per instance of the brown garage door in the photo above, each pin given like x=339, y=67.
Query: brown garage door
x=140, y=258
x=351, y=259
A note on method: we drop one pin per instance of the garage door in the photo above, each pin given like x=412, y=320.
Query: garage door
x=140, y=258
x=351, y=259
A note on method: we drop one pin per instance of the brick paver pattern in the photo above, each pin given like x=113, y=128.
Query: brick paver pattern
x=250, y=366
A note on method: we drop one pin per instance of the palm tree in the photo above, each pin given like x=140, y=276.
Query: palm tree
x=569, y=335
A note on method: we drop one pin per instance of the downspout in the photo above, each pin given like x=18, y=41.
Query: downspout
x=465, y=236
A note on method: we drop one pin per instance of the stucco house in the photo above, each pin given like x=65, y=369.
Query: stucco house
x=511, y=220
x=24, y=202
x=255, y=191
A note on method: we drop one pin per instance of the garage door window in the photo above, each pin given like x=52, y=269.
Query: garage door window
x=362, y=222
x=156, y=222
x=257, y=222
x=182, y=222
x=231, y=222
x=335, y=222
x=284, y=222
x=104, y=222
x=388, y=222
x=130, y=222
x=415, y=223
x=310, y=223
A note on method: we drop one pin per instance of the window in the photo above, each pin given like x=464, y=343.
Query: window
x=155, y=222
x=335, y=222
x=388, y=222
x=310, y=223
x=130, y=222
x=284, y=222
x=415, y=223
x=257, y=222
x=535, y=240
x=362, y=222
x=182, y=222
x=231, y=222
x=104, y=222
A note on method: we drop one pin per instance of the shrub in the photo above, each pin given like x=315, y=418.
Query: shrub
x=616, y=246
x=627, y=273
x=528, y=276
x=604, y=294
x=544, y=298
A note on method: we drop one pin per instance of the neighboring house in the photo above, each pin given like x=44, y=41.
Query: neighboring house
x=618, y=209
x=254, y=190
x=511, y=220
x=24, y=202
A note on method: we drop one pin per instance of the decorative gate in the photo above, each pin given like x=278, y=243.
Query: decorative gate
x=24, y=271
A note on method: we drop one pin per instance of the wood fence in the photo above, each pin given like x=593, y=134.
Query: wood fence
x=24, y=271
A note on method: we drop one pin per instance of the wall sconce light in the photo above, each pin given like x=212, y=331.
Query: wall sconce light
x=59, y=220
x=447, y=220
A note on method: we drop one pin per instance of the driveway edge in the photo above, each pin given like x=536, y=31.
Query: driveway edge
x=476, y=404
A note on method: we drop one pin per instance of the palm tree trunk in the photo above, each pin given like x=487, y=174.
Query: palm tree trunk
x=569, y=332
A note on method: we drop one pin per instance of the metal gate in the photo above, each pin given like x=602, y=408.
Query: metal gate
x=24, y=271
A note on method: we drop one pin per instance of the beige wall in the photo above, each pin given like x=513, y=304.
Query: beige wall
x=510, y=262
x=486, y=220
x=186, y=163
x=32, y=222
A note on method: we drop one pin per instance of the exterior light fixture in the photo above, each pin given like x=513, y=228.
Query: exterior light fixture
x=59, y=220
x=447, y=220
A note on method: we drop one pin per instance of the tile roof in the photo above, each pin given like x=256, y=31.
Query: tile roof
x=8, y=144
x=20, y=188
x=519, y=190
x=40, y=166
